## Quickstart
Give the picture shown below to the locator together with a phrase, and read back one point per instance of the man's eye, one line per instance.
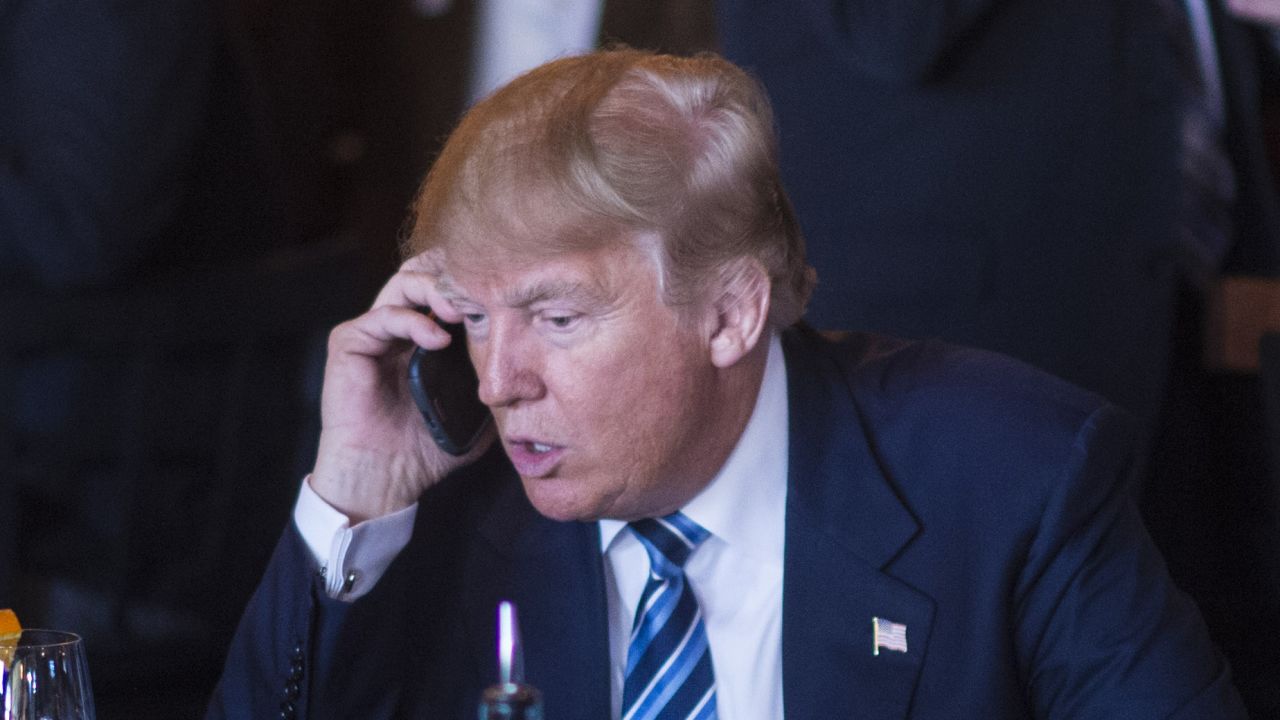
(473, 318)
(561, 322)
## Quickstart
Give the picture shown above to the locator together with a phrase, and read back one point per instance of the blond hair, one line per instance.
(674, 153)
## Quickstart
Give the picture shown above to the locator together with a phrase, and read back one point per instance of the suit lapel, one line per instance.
(844, 525)
(553, 572)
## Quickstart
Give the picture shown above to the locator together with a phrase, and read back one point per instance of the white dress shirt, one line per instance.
(736, 574)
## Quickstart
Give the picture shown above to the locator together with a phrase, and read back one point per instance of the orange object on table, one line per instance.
(10, 631)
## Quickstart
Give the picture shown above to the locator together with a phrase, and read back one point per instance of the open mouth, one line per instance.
(534, 458)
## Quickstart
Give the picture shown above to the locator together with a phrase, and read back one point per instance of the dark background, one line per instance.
(159, 390)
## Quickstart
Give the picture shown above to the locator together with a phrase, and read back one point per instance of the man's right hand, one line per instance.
(376, 455)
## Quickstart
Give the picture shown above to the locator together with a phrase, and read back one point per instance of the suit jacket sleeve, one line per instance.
(1101, 631)
(401, 649)
(268, 665)
(300, 653)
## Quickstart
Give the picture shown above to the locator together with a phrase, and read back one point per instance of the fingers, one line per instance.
(416, 285)
(395, 319)
(384, 329)
(375, 455)
(408, 287)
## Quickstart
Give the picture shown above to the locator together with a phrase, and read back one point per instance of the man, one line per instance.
(841, 528)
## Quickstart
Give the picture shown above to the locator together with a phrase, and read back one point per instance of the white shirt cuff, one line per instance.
(351, 559)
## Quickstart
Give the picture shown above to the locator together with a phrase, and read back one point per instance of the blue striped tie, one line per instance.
(669, 674)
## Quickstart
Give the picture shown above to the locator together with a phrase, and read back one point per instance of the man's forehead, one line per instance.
(523, 294)
(587, 277)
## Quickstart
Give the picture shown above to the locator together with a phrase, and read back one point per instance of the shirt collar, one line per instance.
(745, 503)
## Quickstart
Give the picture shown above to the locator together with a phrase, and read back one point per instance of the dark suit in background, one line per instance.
(978, 502)
(999, 174)
(128, 145)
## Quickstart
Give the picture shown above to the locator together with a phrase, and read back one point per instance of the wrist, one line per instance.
(364, 485)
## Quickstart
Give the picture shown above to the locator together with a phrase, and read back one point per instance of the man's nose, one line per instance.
(507, 369)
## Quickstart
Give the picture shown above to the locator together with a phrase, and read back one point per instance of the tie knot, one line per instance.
(669, 541)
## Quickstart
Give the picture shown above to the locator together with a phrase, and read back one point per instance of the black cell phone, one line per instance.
(445, 387)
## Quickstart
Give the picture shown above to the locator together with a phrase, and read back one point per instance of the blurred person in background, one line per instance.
(132, 160)
(1004, 175)
(126, 150)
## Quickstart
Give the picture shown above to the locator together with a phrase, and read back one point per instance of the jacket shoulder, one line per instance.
(943, 417)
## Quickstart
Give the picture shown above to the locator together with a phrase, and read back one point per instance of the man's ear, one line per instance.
(741, 311)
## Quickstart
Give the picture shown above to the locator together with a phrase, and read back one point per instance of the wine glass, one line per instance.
(47, 678)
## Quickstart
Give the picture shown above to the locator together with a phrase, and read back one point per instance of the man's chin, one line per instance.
(562, 500)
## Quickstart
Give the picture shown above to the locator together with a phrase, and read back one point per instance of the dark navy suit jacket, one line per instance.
(978, 502)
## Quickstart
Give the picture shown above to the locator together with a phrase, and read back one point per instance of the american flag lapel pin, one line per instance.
(888, 635)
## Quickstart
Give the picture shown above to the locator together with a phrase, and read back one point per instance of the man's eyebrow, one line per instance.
(446, 287)
(544, 290)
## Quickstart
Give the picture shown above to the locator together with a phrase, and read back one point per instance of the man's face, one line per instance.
(605, 402)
